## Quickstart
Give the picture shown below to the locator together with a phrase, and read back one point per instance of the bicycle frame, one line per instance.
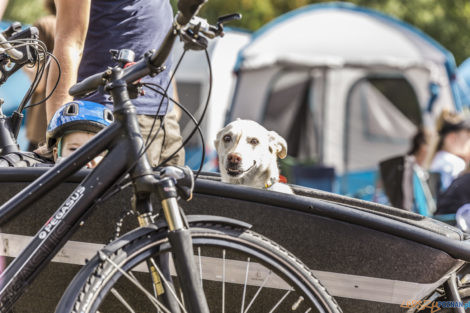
(124, 143)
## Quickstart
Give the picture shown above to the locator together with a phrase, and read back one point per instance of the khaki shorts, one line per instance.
(168, 139)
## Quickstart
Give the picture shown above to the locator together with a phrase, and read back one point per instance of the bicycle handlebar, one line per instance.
(187, 9)
(130, 74)
(87, 85)
(12, 52)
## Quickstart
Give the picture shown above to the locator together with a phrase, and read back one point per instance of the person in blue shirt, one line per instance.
(85, 32)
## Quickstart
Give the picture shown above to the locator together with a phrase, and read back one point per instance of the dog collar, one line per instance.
(270, 182)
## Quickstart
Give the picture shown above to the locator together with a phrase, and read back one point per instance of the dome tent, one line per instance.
(345, 85)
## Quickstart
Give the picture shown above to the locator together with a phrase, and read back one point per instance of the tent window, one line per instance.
(401, 94)
(288, 111)
(382, 116)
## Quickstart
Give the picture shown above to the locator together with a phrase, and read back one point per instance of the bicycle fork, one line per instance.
(182, 251)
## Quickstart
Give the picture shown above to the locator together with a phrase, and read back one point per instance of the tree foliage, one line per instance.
(447, 22)
(24, 11)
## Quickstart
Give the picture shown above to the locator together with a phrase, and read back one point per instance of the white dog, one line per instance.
(248, 155)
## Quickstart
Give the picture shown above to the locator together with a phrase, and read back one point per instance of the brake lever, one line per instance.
(194, 36)
(14, 28)
(19, 56)
(225, 19)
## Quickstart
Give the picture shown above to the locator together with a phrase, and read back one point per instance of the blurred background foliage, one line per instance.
(447, 21)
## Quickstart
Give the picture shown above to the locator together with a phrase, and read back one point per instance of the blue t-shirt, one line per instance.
(138, 25)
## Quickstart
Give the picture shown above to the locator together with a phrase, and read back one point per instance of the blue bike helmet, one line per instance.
(77, 116)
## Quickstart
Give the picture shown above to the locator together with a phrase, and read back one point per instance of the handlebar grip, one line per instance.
(187, 9)
(12, 52)
(87, 85)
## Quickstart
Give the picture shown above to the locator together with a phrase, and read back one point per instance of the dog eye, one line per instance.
(254, 141)
(227, 138)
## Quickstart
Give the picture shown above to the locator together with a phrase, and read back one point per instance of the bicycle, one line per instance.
(167, 244)
(20, 48)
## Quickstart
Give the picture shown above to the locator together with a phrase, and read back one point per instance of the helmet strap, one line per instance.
(59, 147)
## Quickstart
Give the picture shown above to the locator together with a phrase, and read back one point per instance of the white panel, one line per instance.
(350, 36)
(337, 284)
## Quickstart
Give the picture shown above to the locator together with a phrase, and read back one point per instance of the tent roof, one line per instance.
(339, 34)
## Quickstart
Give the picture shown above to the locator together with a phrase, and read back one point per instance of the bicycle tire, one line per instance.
(251, 259)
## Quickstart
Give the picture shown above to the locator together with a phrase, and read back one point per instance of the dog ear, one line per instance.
(217, 139)
(278, 144)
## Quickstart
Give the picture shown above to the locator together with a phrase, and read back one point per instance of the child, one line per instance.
(73, 125)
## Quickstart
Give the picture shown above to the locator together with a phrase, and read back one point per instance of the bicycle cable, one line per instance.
(41, 50)
(126, 182)
(200, 119)
(55, 85)
(121, 182)
(203, 112)
(193, 119)
(162, 118)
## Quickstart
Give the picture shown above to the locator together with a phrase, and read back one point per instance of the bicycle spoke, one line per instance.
(172, 291)
(122, 300)
(244, 286)
(181, 295)
(223, 282)
(280, 301)
(200, 264)
(132, 279)
(258, 291)
(249, 280)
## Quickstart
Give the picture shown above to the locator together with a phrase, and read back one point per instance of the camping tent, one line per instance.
(463, 82)
(193, 81)
(345, 85)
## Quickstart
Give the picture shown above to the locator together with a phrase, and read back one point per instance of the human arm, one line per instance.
(3, 6)
(70, 34)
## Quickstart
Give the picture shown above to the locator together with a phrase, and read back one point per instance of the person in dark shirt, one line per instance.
(456, 196)
(85, 32)
(405, 180)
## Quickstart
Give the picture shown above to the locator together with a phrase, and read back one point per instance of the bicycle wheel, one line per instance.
(241, 272)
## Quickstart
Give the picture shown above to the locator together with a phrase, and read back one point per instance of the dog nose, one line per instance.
(234, 158)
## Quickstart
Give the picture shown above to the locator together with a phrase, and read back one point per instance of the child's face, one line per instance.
(73, 141)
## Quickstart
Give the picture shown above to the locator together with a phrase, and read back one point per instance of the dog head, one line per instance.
(248, 152)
